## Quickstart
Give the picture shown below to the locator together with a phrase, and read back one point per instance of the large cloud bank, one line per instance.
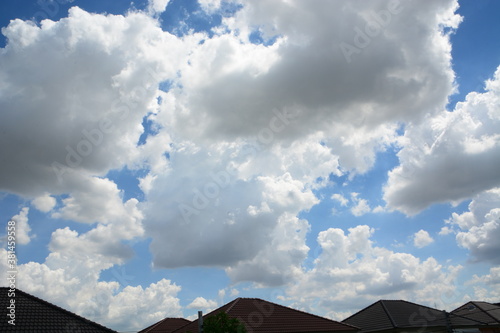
(238, 144)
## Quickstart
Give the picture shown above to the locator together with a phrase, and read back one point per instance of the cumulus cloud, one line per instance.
(343, 201)
(486, 287)
(90, 79)
(478, 229)
(361, 206)
(493, 278)
(308, 112)
(245, 135)
(70, 275)
(445, 231)
(210, 6)
(23, 228)
(84, 256)
(254, 128)
(156, 7)
(97, 200)
(112, 304)
(351, 272)
(222, 210)
(44, 203)
(357, 205)
(451, 156)
(232, 88)
(201, 303)
(134, 307)
(280, 260)
(422, 238)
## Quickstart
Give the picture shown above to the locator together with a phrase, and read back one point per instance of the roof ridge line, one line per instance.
(451, 314)
(388, 314)
(234, 303)
(424, 306)
(484, 310)
(149, 328)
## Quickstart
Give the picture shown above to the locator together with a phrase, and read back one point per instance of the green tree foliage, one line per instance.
(221, 323)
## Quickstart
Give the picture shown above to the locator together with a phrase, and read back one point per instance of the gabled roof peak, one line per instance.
(259, 315)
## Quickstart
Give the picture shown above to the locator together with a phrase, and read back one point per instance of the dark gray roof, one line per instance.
(398, 314)
(482, 311)
(33, 314)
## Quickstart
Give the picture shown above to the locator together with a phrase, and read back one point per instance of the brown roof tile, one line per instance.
(166, 325)
(262, 316)
(33, 314)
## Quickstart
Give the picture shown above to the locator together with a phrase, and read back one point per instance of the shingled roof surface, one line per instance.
(166, 325)
(394, 314)
(482, 311)
(33, 314)
(262, 316)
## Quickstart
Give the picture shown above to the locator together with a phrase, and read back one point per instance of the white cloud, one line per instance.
(251, 131)
(210, 6)
(485, 287)
(445, 231)
(450, 156)
(482, 241)
(422, 238)
(479, 228)
(201, 303)
(358, 207)
(44, 203)
(136, 307)
(232, 89)
(22, 231)
(70, 275)
(361, 206)
(91, 79)
(351, 272)
(340, 198)
(80, 291)
(493, 278)
(98, 200)
(280, 260)
(156, 7)
(250, 140)
(104, 242)
(228, 91)
(229, 203)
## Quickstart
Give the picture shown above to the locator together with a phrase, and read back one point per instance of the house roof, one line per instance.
(166, 325)
(393, 314)
(33, 314)
(262, 316)
(481, 311)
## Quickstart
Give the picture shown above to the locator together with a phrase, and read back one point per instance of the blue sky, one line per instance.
(164, 157)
